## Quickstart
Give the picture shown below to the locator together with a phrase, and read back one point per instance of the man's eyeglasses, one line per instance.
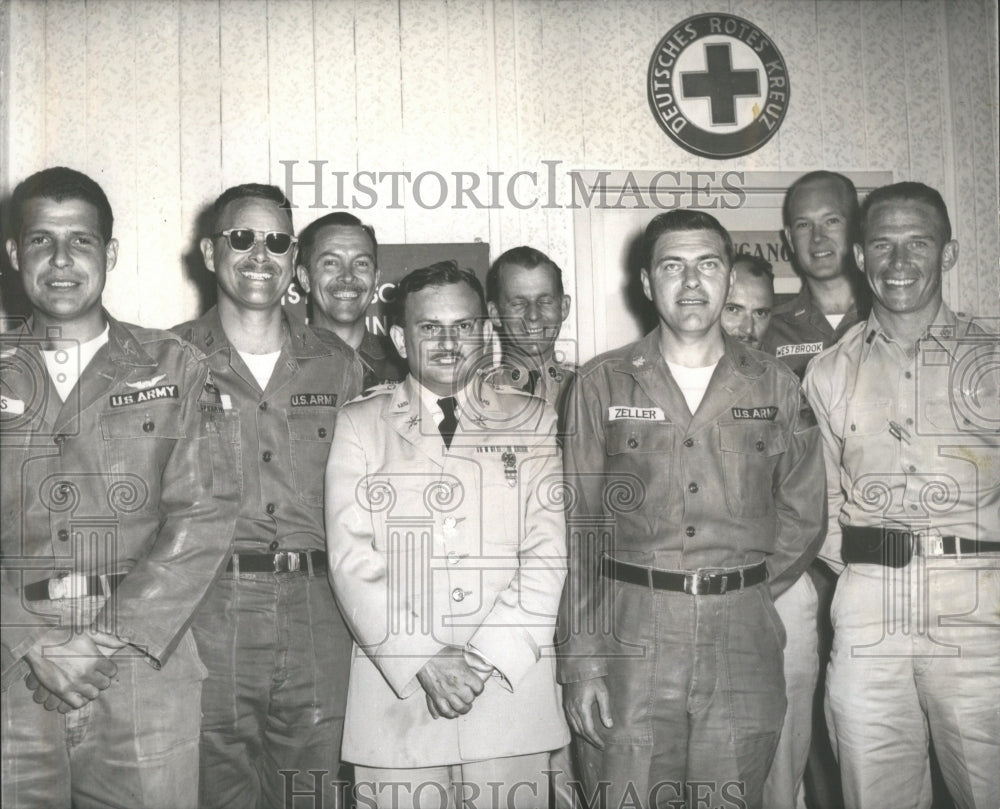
(242, 240)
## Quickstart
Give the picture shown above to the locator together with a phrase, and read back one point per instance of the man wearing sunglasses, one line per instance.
(270, 633)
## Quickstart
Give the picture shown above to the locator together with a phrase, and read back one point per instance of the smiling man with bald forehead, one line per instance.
(908, 403)
(270, 634)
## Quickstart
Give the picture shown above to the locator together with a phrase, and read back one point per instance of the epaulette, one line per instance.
(375, 390)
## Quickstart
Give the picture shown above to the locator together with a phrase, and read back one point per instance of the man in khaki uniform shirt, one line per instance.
(696, 484)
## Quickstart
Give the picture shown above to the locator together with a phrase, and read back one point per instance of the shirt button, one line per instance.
(688, 442)
(321, 432)
(908, 375)
(760, 446)
(458, 594)
(450, 522)
(148, 426)
(273, 546)
(453, 558)
(911, 468)
(269, 508)
(693, 488)
(689, 530)
(63, 534)
(633, 443)
(266, 457)
(60, 439)
(262, 406)
(909, 421)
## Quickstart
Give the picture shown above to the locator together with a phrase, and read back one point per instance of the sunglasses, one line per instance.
(242, 240)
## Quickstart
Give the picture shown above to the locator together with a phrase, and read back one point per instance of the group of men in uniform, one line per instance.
(517, 548)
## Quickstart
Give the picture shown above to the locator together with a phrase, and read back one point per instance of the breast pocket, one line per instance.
(639, 452)
(137, 444)
(309, 437)
(750, 452)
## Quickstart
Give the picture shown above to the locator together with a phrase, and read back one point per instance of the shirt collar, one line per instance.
(875, 331)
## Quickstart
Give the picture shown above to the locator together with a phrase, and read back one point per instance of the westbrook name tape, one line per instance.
(718, 86)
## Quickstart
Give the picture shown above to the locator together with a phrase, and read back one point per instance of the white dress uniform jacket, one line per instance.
(430, 547)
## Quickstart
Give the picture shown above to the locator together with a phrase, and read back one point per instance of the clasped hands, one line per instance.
(450, 684)
(69, 669)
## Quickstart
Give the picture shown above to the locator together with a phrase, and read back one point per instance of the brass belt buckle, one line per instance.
(72, 585)
(932, 544)
(693, 583)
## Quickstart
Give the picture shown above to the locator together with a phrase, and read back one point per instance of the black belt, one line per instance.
(280, 562)
(693, 583)
(894, 546)
(72, 586)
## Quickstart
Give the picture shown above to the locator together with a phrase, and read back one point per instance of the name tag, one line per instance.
(616, 413)
(13, 406)
(148, 395)
(766, 413)
(794, 349)
(314, 400)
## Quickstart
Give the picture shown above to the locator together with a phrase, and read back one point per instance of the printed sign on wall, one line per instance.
(718, 86)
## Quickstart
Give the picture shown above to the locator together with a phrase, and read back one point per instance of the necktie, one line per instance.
(533, 376)
(449, 423)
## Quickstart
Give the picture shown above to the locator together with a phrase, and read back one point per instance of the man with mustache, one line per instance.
(695, 496)
(908, 403)
(747, 312)
(118, 505)
(270, 633)
(527, 304)
(447, 552)
(338, 268)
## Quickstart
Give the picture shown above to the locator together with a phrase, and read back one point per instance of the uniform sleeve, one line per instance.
(154, 605)
(581, 642)
(817, 387)
(522, 620)
(360, 573)
(799, 487)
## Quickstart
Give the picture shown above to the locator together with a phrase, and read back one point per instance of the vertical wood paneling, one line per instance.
(379, 94)
(245, 92)
(26, 76)
(66, 68)
(883, 76)
(165, 103)
(335, 83)
(642, 143)
(200, 107)
(800, 140)
(922, 50)
(842, 106)
(505, 224)
(112, 138)
(427, 104)
(158, 231)
(974, 217)
(599, 127)
(471, 99)
(291, 87)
